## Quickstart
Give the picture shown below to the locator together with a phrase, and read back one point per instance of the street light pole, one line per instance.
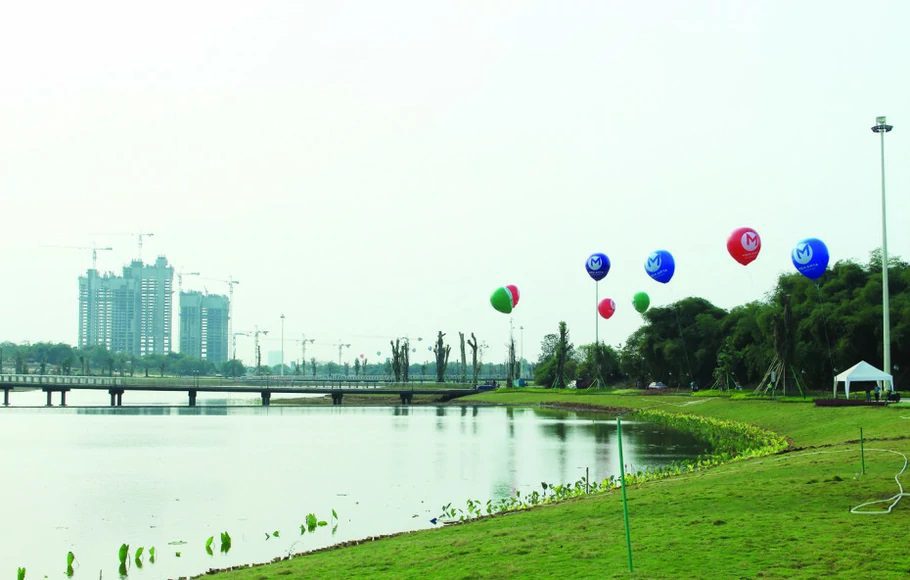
(282, 345)
(881, 127)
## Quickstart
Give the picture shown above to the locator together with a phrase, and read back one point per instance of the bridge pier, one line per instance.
(336, 398)
(116, 397)
(406, 398)
(63, 398)
(266, 398)
(6, 391)
(48, 404)
(192, 394)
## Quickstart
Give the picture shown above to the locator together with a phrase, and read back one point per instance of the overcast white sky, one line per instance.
(374, 169)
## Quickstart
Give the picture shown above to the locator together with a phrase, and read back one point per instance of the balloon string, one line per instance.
(596, 316)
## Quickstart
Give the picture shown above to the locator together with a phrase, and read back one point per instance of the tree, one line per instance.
(475, 366)
(464, 370)
(233, 368)
(556, 363)
(442, 357)
(598, 361)
(396, 359)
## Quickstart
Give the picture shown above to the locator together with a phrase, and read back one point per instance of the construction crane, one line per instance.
(341, 346)
(303, 341)
(180, 276)
(256, 334)
(95, 249)
(139, 238)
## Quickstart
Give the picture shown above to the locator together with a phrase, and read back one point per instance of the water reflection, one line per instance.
(183, 472)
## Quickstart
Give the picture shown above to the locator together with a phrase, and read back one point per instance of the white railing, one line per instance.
(27, 380)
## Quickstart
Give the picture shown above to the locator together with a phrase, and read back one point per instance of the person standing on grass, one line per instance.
(878, 392)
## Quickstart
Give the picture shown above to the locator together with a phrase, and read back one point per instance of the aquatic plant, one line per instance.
(334, 515)
(138, 556)
(311, 522)
(152, 555)
(70, 558)
(225, 542)
(20, 574)
(729, 440)
(208, 545)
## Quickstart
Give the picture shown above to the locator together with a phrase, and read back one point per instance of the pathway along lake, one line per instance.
(90, 479)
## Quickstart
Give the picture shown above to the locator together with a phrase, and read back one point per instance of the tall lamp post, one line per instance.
(282, 345)
(881, 127)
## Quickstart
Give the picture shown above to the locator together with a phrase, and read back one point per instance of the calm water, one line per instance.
(89, 479)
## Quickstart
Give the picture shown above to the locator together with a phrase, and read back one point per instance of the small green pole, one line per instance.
(862, 450)
(625, 501)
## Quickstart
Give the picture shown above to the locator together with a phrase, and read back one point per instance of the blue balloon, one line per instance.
(660, 266)
(598, 266)
(810, 258)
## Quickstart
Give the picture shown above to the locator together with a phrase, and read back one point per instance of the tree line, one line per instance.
(63, 359)
(811, 330)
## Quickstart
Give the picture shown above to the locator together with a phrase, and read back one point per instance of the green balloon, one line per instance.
(502, 300)
(641, 301)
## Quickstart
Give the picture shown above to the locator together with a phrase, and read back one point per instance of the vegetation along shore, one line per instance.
(786, 513)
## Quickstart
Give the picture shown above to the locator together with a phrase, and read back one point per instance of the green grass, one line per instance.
(783, 516)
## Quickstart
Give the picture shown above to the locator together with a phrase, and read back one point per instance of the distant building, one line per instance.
(273, 358)
(129, 313)
(204, 326)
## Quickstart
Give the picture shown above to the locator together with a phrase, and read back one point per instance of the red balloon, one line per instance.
(744, 244)
(514, 290)
(606, 307)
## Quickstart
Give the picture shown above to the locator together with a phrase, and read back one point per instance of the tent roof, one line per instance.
(863, 371)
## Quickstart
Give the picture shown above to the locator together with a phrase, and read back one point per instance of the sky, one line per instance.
(377, 169)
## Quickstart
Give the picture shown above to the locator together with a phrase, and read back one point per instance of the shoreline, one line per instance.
(719, 521)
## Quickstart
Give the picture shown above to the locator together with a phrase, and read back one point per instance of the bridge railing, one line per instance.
(38, 380)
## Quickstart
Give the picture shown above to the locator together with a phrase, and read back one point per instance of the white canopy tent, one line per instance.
(863, 371)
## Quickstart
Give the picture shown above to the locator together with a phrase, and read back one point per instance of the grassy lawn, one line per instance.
(782, 516)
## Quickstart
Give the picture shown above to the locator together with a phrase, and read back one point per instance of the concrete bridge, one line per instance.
(265, 387)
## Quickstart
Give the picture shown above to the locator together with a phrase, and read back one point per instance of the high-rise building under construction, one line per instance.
(129, 313)
(204, 326)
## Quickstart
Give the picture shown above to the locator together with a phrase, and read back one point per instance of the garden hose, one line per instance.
(894, 499)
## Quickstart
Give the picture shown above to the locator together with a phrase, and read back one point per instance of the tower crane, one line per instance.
(256, 334)
(180, 276)
(95, 249)
(303, 341)
(139, 237)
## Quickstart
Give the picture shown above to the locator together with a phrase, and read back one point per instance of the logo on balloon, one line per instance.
(744, 244)
(653, 264)
(660, 266)
(810, 258)
(802, 254)
(749, 241)
(606, 307)
(598, 266)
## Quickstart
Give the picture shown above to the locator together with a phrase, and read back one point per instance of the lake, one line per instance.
(88, 479)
